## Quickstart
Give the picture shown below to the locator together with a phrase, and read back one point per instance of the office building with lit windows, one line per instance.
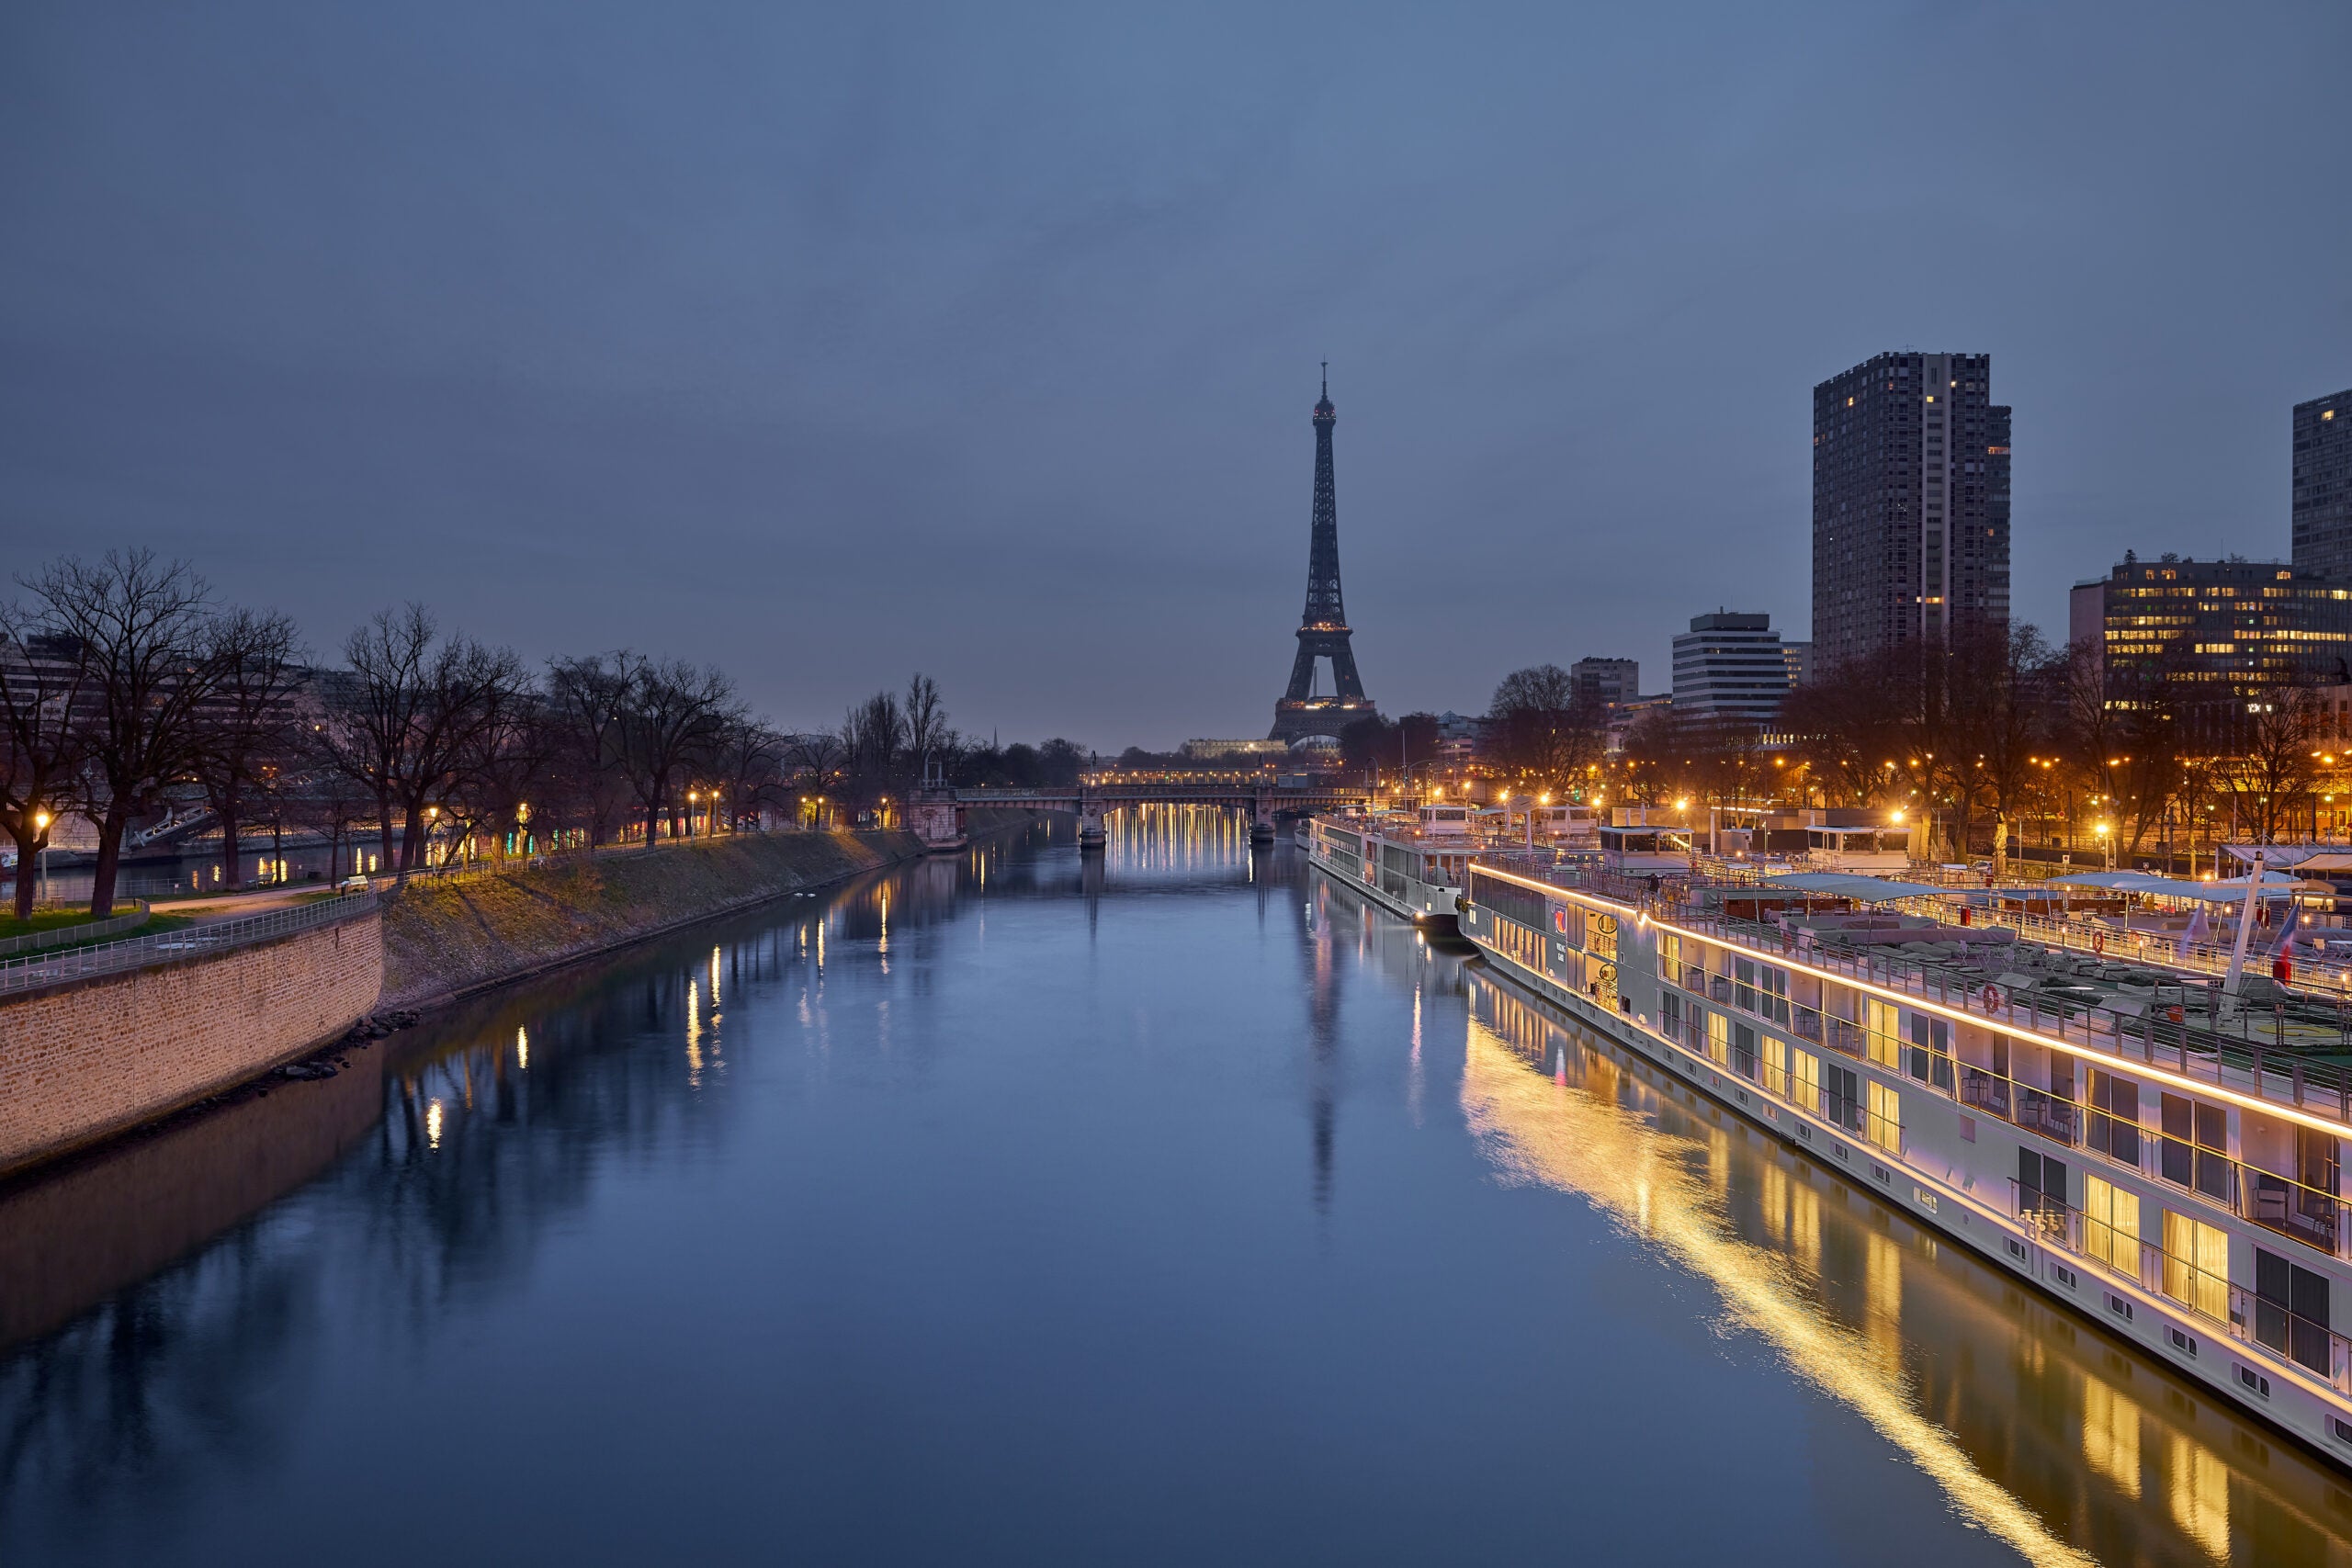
(2322, 486)
(1910, 504)
(2221, 634)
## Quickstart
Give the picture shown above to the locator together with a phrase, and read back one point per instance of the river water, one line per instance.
(1176, 1208)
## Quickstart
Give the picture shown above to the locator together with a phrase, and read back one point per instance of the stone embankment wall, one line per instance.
(95, 1057)
(93, 1226)
(445, 939)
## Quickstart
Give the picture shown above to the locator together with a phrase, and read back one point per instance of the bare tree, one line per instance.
(1853, 727)
(141, 626)
(499, 766)
(671, 715)
(1988, 709)
(926, 716)
(43, 688)
(2268, 783)
(1544, 730)
(873, 737)
(246, 733)
(2124, 732)
(585, 696)
(748, 765)
(412, 705)
(330, 800)
(376, 706)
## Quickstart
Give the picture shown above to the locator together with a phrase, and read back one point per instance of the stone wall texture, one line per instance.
(98, 1056)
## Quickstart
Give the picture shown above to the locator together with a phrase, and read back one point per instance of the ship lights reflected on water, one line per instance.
(1914, 1328)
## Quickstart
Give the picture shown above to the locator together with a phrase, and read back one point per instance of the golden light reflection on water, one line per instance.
(1896, 1328)
(2200, 1496)
(1179, 839)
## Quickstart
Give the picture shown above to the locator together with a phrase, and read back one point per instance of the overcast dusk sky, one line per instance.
(830, 342)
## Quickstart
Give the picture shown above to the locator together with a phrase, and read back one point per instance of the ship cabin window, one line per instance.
(2290, 1310)
(1928, 1060)
(2194, 1150)
(2114, 1129)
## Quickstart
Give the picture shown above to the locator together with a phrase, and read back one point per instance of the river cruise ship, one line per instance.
(2136, 1151)
(1409, 862)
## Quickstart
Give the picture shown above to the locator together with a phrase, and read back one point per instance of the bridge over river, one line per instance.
(937, 815)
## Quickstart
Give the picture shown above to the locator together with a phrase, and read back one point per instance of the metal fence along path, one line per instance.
(139, 953)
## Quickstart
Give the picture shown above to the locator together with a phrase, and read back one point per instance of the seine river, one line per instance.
(1176, 1208)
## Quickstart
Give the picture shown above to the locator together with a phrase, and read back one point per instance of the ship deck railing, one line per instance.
(2304, 1061)
(2088, 935)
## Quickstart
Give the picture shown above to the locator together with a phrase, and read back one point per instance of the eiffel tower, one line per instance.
(1323, 628)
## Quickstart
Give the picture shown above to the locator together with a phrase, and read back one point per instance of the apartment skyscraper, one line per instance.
(2323, 535)
(1910, 504)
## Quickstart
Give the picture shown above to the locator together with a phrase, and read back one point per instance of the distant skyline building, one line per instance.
(1730, 666)
(1610, 680)
(2220, 632)
(2322, 517)
(1910, 504)
(1800, 658)
(1304, 709)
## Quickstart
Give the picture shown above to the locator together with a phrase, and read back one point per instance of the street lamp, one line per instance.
(40, 826)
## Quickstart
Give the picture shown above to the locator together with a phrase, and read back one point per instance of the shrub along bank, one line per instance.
(443, 940)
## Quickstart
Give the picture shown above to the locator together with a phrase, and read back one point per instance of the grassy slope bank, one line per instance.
(441, 939)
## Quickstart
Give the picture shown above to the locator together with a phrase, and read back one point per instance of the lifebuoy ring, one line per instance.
(1991, 996)
(2099, 942)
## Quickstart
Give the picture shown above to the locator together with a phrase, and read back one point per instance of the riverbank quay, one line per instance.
(99, 1039)
(97, 1042)
(448, 937)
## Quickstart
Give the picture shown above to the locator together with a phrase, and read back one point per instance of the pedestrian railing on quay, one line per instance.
(220, 936)
(68, 936)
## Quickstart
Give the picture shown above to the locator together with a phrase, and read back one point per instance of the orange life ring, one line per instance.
(1991, 996)
(2099, 942)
